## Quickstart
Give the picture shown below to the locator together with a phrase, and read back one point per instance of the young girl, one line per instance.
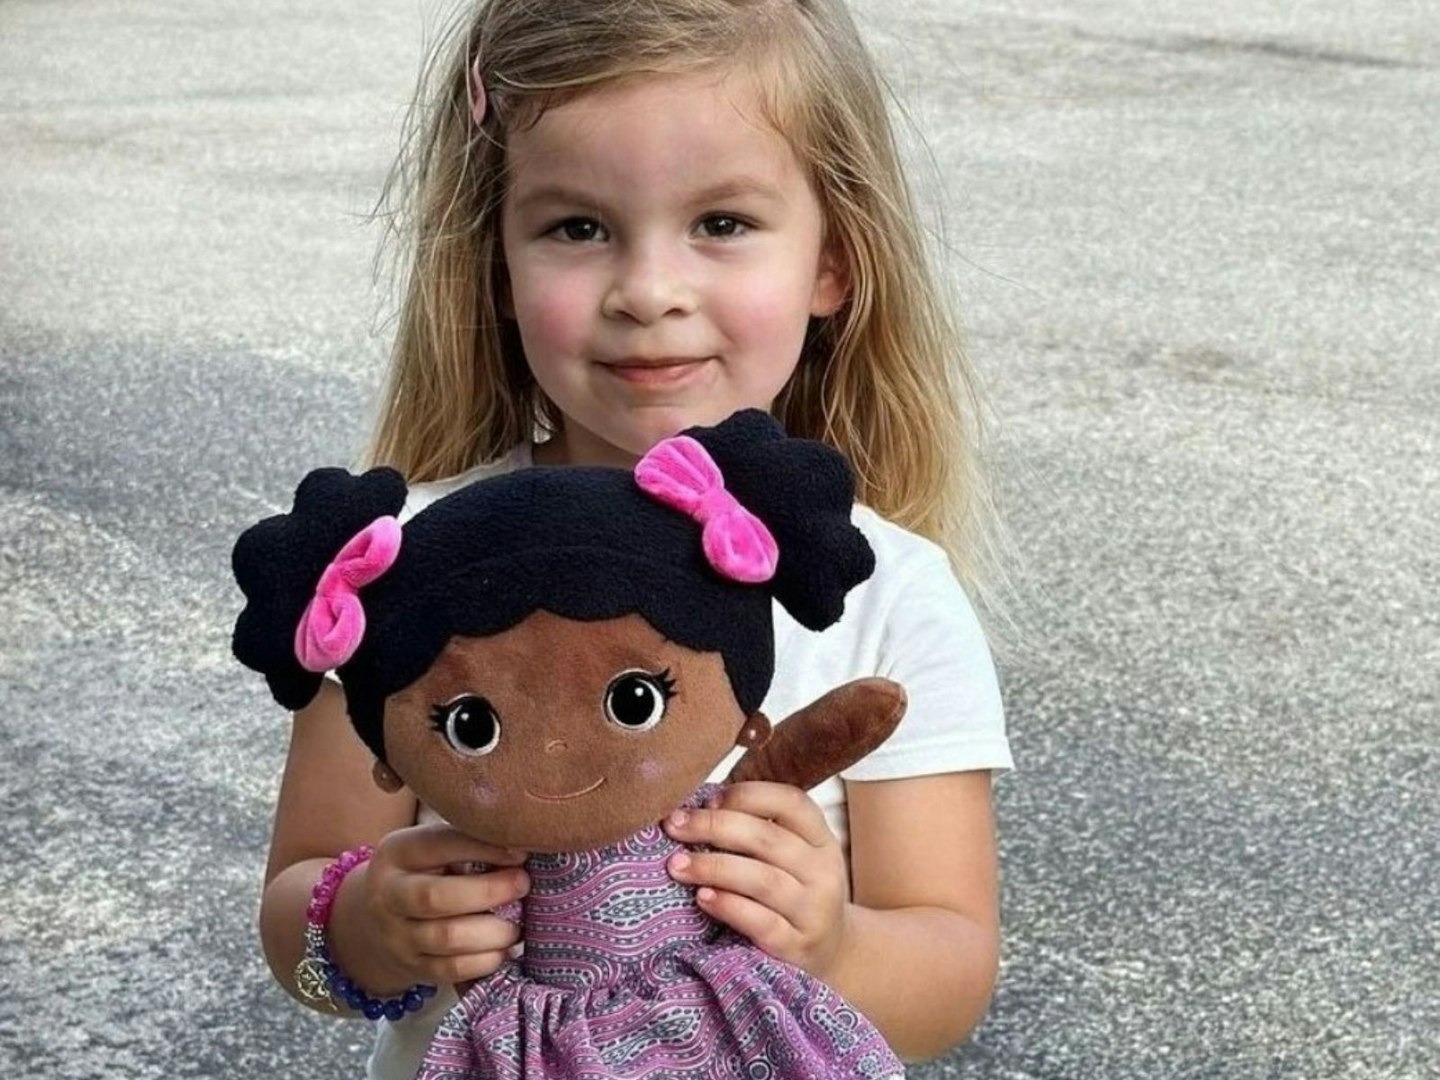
(631, 219)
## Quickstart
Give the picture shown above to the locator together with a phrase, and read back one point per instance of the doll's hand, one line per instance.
(780, 879)
(402, 919)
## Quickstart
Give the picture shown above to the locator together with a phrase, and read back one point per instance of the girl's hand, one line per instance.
(401, 919)
(780, 878)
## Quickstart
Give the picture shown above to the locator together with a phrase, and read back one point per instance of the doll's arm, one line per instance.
(828, 735)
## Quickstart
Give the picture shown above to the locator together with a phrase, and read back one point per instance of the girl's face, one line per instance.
(558, 735)
(665, 253)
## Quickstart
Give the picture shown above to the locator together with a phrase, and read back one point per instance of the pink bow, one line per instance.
(334, 620)
(680, 473)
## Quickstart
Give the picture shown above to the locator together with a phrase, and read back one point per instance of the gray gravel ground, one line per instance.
(1196, 250)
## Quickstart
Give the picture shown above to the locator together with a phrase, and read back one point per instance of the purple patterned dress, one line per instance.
(623, 976)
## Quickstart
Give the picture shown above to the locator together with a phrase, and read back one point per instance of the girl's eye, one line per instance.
(635, 700)
(469, 724)
(579, 230)
(723, 226)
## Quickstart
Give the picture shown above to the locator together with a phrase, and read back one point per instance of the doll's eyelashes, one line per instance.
(469, 724)
(635, 700)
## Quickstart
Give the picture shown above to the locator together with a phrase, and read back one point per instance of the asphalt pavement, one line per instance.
(1195, 247)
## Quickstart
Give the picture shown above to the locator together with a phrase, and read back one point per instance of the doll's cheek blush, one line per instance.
(650, 770)
(485, 793)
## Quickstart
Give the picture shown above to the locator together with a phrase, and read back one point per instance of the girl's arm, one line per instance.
(923, 943)
(328, 803)
(395, 920)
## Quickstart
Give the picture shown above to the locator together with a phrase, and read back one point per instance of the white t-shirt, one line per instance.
(910, 621)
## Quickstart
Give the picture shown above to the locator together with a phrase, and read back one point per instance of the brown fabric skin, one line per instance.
(828, 735)
(546, 679)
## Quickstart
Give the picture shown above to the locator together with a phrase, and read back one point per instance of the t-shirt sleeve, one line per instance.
(931, 643)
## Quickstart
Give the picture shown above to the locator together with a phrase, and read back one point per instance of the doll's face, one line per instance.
(559, 735)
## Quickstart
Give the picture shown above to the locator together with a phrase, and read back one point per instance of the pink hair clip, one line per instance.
(680, 473)
(477, 92)
(333, 624)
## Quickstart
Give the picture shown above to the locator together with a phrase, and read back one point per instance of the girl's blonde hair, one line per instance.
(884, 380)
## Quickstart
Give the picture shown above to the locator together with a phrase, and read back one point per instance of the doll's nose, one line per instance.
(555, 746)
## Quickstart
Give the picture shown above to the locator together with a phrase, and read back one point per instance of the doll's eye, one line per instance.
(636, 699)
(469, 724)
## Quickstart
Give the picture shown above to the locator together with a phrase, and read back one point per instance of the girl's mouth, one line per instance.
(662, 372)
(562, 798)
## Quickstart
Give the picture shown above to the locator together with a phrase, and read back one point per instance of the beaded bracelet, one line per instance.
(318, 978)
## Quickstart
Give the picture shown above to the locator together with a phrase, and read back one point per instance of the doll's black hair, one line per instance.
(581, 542)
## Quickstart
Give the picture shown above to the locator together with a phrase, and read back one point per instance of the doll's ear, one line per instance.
(386, 778)
(755, 733)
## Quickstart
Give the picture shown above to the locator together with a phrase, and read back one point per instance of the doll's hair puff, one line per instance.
(582, 542)
(278, 563)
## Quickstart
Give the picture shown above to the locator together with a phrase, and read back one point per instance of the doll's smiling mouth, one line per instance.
(562, 798)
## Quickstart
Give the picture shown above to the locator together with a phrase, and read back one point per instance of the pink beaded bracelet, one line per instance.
(322, 897)
(317, 977)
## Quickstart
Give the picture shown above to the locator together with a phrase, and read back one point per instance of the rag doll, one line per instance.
(554, 660)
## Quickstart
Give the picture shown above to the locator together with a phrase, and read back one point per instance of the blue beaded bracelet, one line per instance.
(317, 976)
(373, 1008)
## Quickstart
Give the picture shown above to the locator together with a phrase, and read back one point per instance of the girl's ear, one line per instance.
(755, 732)
(386, 778)
(832, 281)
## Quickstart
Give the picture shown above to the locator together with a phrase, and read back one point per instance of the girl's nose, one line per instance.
(555, 746)
(648, 285)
